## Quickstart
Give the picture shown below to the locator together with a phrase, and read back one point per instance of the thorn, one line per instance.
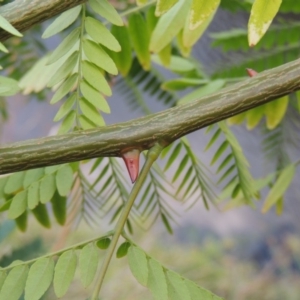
(132, 162)
(251, 72)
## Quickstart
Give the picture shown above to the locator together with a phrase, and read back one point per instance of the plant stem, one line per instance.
(152, 155)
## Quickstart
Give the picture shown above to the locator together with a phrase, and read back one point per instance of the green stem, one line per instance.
(152, 156)
(76, 246)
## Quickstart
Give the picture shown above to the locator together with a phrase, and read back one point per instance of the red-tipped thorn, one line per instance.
(132, 161)
(251, 72)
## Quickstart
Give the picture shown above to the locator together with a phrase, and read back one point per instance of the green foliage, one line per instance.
(163, 283)
(82, 72)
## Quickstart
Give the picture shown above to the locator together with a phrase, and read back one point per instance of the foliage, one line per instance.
(141, 43)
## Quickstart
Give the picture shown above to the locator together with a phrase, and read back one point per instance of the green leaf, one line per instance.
(68, 122)
(3, 48)
(86, 123)
(201, 11)
(64, 180)
(157, 280)
(33, 195)
(103, 243)
(122, 250)
(39, 278)
(262, 15)
(279, 188)
(2, 278)
(209, 88)
(182, 83)
(32, 176)
(4, 24)
(64, 70)
(93, 75)
(40, 212)
(163, 6)
(275, 111)
(65, 108)
(21, 221)
(122, 59)
(14, 283)
(196, 292)
(6, 205)
(88, 263)
(140, 39)
(177, 287)
(62, 21)
(173, 156)
(191, 36)
(100, 34)
(52, 169)
(254, 115)
(65, 46)
(94, 97)
(64, 272)
(96, 54)
(138, 264)
(177, 64)
(107, 11)
(91, 112)
(65, 88)
(9, 86)
(14, 182)
(47, 188)
(59, 207)
(166, 223)
(219, 152)
(169, 25)
(18, 205)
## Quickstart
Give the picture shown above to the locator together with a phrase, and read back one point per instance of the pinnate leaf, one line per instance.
(163, 6)
(65, 108)
(64, 272)
(18, 205)
(138, 264)
(4, 24)
(59, 207)
(107, 11)
(169, 25)
(262, 15)
(39, 278)
(93, 75)
(103, 243)
(88, 262)
(122, 250)
(96, 54)
(100, 34)
(281, 185)
(62, 21)
(64, 180)
(14, 182)
(122, 59)
(201, 11)
(157, 281)
(65, 46)
(140, 38)
(94, 97)
(64, 89)
(47, 188)
(14, 283)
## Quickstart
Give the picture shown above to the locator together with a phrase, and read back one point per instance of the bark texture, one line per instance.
(23, 14)
(163, 127)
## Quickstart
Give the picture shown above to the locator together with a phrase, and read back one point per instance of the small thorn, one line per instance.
(132, 162)
(251, 72)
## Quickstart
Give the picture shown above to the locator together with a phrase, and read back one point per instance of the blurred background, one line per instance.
(239, 254)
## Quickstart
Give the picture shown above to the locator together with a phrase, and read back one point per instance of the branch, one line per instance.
(23, 14)
(163, 127)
